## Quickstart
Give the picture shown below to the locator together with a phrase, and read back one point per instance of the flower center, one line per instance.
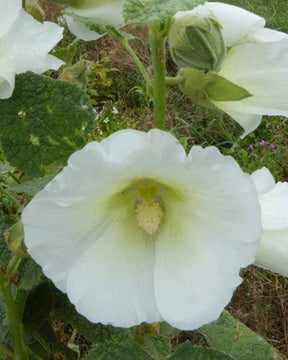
(149, 214)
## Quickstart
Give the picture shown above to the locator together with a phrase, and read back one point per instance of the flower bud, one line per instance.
(14, 238)
(33, 8)
(205, 88)
(196, 42)
(77, 74)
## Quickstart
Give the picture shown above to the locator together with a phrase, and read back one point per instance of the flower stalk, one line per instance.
(157, 43)
(14, 318)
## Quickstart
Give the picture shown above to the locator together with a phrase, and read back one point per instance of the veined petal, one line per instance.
(263, 180)
(261, 69)
(236, 22)
(272, 253)
(198, 261)
(112, 282)
(10, 10)
(274, 207)
(7, 83)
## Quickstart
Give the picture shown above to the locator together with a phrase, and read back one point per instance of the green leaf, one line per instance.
(37, 308)
(149, 11)
(43, 122)
(234, 338)
(32, 187)
(30, 275)
(189, 352)
(159, 346)
(66, 54)
(119, 33)
(5, 253)
(96, 333)
(109, 351)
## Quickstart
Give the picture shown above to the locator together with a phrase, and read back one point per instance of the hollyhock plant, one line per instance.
(106, 12)
(25, 45)
(134, 230)
(255, 61)
(272, 253)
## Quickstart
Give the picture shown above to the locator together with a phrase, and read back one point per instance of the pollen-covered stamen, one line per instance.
(149, 214)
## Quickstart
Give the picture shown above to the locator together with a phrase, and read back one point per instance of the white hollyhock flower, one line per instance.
(272, 253)
(134, 230)
(24, 45)
(104, 12)
(256, 60)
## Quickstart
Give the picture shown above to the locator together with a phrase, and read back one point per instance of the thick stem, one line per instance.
(157, 42)
(14, 319)
(171, 81)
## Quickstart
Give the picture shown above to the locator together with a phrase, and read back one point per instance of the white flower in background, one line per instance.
(272, 253)
(134, 230)
(256, 60)
(103, 12)
(24, 45)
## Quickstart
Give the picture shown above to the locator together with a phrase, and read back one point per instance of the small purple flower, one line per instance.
(251, 147)
(263, 143)
(272, 146)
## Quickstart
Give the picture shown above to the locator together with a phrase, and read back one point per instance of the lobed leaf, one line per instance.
(149, 11)
(188, 352)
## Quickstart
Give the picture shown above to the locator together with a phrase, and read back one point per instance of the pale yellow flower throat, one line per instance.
(149, 214)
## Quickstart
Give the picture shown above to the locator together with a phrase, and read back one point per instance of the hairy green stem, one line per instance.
(14, 318)
(157, 43)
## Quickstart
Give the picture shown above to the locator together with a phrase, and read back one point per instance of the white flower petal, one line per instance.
(263, 180)
(236, 22)
(249, 122)
(267, 35)
(112, 282)
(260, 68)
(198, 261)
(109, 13)
(34, 37)
(7, 83)
(10, 9)
(272, 253)
(274, 208)
(81, 31)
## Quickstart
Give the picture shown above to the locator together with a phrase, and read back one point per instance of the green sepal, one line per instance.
(77, 74)
(66, 54)
(203, 88)
(33, 8)
(229, 335)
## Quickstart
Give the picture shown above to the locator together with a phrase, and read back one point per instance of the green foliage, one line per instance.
(66, 54)
(109, 351)
(234, 338)
(43, 122)
(32, 187)
(5, 253)
(159, 346)
(96, 333)
(188, 352)
(146, 12)
(30, 275)
(4, 329)
(100, 84)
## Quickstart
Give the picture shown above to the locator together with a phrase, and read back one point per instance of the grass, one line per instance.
(261, 302)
